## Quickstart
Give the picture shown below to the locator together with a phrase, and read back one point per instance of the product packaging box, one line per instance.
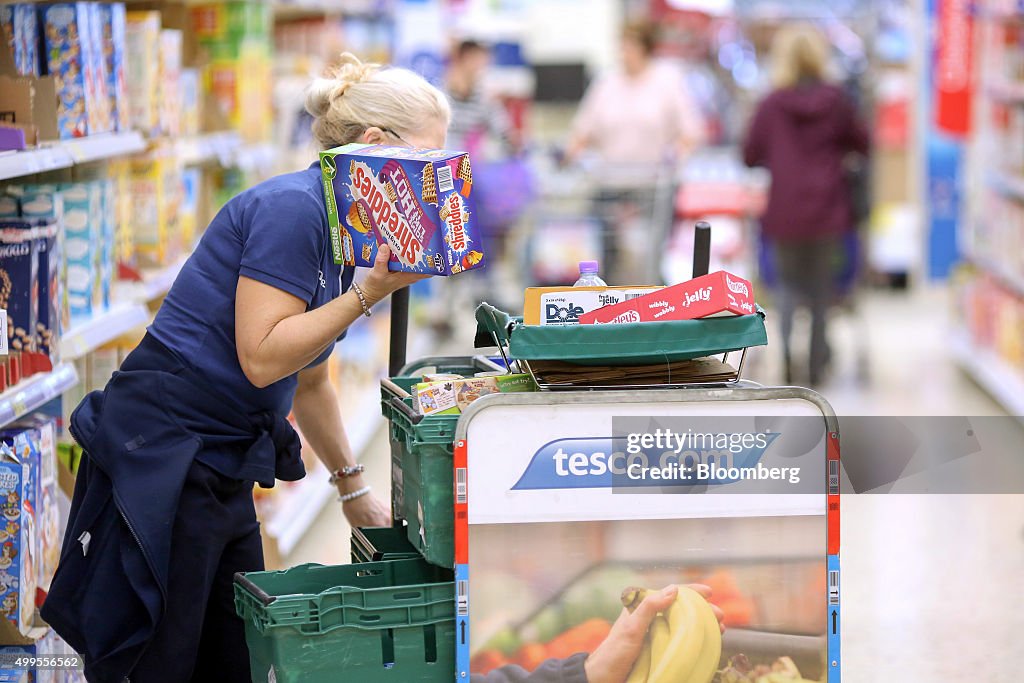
(417, 201)
(170, 82)
(81, 247)
(42, 430)
(19, 32)
(191, 115)
(68, 41)
(100, 120)
(565, 305)
(48, 316)
(715, 294)
(108, 238)
(113, 20)
(153, 187)
(142, 70)
(445, 395)
(19, 289)
(18, 536)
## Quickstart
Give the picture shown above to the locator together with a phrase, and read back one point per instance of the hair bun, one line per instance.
(350, 71)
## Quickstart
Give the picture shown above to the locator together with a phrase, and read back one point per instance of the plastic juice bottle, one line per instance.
(589, 276)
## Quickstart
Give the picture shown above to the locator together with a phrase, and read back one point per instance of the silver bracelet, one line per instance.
(358, 493)
(362, 299)
(346, 472)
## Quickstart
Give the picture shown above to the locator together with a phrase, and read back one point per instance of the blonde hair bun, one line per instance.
(353, 95)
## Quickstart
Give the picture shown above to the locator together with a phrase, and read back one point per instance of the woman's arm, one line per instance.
(276, 336)
(318, 415)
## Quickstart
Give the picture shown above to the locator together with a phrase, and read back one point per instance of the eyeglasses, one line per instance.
(393, 133)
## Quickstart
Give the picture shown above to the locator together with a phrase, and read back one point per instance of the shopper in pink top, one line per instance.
(640, 123)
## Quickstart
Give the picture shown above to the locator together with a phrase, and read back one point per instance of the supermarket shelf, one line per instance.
(155, 283)
(106, 146)
(68, 153)
(102, 328)
(992, 373)
(36, 391)
(1008, 184)
(17, 164)
(1005, 275)
(305, 502)
(209, 147)
(255, 157)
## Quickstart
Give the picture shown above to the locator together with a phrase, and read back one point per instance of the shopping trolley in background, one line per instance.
(619, 215)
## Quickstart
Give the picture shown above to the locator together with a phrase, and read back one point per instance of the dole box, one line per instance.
(418, 201)
(716, 294)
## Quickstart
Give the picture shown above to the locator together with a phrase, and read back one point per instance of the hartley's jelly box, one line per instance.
(418, 201)
(708, 296)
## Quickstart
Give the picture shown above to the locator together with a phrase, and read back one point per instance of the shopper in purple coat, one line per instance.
(802, 133)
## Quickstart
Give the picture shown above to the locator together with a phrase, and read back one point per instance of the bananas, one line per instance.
(683, 644)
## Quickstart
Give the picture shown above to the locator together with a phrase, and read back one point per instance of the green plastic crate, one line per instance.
(377, 621)
(378, 544)
(423, 474)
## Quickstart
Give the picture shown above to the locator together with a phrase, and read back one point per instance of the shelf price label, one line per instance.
(3, 332)
(20, 403)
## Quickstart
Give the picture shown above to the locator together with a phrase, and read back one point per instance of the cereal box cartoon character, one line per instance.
(7, 554)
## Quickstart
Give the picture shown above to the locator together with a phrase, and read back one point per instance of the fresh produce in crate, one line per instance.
(782, 670)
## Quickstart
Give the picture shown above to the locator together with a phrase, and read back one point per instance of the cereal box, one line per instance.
(100, 120)
(418, 201)
(108, 237)
(48, 315)
(10, 207)
(19, 290)
(66, 34)
(712, 295)
(112, 18)
(435, 398)
(81, 246)
(142, 69)
(42, 429)
(170, 82)
(19, 33)
(18, 553)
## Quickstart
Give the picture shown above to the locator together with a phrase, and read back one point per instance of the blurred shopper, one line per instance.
(802, 133)
(476, 118)
(641, 123)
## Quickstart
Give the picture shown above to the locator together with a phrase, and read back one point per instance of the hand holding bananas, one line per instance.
(674, 619)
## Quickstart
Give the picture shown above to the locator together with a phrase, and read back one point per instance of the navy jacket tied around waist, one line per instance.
(141, 435)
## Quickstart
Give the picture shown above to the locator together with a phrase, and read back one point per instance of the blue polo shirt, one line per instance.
(276, 233)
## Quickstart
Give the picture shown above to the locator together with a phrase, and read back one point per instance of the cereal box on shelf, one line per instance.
(112, 23)
(155, 196)
(42, 429)
(48, 316)
(81, 240)
(18, 554)
(142, 69)
(19, 291)
(418, 201)
(66, 35)
(170, 82)
(19, 32)
(100, 120)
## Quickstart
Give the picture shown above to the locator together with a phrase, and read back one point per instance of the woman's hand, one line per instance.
(367, 511)
(381, 282)
(612, 661)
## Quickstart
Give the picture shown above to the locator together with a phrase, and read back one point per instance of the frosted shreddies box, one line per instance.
(418, 201)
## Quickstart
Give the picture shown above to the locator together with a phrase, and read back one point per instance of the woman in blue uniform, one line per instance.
(163, 513)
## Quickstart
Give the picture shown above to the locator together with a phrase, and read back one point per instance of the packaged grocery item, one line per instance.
(108, 238)
(142, 69)
(565, 305)
(42, 431)
(100, 120)
(66, 34)
(470, 389)
(715, 294)
(19, 290)
(154, 190)
(105, 361)
(435, 398)
(191, 115)
(10, 207)
(113, 20)
(169, 79)
(18, 539)
(81, 247)
(188, 211)
(49, 254)
(19, 33)
(515, 383)
(418, 201)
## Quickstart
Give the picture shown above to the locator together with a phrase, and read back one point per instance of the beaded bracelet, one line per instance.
(362, 299)
(359, 493)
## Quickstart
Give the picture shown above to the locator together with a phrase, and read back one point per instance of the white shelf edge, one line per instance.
(998, 270)
(290, 523)
(102, 328)
(67, 153)
(29, 162)
(992, 373)
(37, 390)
